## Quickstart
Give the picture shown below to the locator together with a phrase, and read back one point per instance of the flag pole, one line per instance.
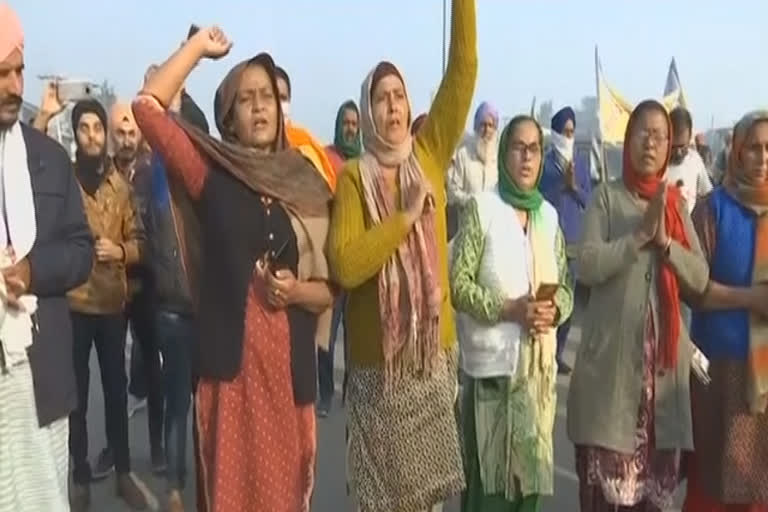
(604, 162)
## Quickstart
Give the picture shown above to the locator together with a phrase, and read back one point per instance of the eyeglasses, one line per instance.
(522, 148)
(655, 137)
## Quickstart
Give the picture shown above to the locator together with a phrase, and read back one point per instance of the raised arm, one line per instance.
(482, 304)
(162, 87)
(445, 123)
(357, 253)
(599, 258)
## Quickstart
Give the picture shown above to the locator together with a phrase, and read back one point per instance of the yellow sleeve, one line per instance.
(447, 118)
(357, 253)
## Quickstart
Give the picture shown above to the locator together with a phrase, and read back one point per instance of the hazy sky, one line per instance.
(542, 48)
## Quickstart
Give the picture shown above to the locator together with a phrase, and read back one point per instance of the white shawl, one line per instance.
(16, 325)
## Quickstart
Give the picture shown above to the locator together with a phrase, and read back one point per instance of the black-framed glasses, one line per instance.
(523, 148)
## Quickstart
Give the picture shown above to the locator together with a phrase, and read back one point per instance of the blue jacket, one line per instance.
(570, 205)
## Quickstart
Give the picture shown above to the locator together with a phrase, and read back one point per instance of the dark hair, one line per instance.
(516, 121)
(418, 123)
(681, 119)
(281, 73)
(384, 69)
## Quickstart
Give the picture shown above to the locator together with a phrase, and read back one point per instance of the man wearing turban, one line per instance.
(45, 249)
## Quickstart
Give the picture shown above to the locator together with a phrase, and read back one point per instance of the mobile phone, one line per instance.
(193, 29)
(547, 291)
(74, 90)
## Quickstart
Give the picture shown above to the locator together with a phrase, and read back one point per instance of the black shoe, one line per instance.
(105, 465)
(563, 368)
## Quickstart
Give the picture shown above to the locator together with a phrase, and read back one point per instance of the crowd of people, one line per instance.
(446, 258)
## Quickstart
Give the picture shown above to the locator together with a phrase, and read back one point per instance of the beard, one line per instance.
(127, 153)
(487, 150)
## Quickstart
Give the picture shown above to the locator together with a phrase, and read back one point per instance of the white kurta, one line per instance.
(34, 461)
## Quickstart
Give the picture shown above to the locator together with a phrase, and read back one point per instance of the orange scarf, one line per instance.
(312, 149)
(669, 289)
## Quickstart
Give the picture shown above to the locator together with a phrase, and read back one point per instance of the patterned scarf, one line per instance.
(646, 186)
(756, 199)
(409, 288)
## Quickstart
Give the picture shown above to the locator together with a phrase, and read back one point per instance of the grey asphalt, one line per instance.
(330, 490)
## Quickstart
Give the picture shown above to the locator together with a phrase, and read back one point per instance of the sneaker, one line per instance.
(105, 465)
(133, 491)
(563, 368)
(79, 497)
(175, 502)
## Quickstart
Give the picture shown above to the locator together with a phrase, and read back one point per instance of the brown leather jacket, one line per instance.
(111, 214)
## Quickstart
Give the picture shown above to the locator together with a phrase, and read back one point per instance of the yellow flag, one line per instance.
(613, 109)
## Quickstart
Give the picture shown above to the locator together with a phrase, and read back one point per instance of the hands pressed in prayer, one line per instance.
(17, 279)
(537, 317)
(107, 251)
(652, 228)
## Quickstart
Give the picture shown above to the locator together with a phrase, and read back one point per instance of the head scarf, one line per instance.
(285, 174)
(347, 149)
(510, 192)
(484, 110)
(408, 286)
(11, 32)
(646, 186)
(90, 170)
(755, 198)
(561, 118)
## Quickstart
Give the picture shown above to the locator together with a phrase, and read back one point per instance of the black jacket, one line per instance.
(60, 259)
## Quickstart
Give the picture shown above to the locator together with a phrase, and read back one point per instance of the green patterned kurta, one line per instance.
(508, 421)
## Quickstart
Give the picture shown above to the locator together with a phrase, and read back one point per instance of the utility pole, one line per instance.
(445, 27)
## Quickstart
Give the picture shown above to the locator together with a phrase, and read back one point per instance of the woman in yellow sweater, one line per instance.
(387, 249)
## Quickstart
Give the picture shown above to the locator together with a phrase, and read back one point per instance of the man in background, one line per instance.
(98, 306)
(566, 182)
(146, 379)
(686, 168)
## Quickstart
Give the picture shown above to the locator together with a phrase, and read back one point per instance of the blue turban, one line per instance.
(562, 117)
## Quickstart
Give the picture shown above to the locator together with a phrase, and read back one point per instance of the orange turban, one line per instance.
(11, 33)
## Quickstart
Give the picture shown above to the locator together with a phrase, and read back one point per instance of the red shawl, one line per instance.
(669, 290)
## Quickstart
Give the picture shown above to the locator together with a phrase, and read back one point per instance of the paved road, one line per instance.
(330, 494)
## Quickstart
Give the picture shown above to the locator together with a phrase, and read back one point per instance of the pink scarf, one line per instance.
(409, 288)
